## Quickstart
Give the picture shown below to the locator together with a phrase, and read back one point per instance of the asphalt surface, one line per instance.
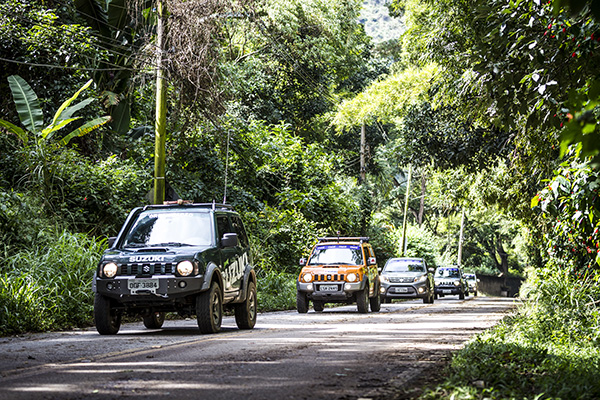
(335, 354)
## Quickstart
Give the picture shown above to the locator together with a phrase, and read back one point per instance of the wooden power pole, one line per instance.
(460, 237)
(405, 222)
(161, 108)
(363, 168)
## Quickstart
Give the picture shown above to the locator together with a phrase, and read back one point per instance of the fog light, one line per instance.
(309, 286)
(110, 286)
(421, 290)
(382, 290)
(347, 286)
(182, 284)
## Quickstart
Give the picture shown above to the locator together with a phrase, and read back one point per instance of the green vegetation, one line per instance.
(493, 106)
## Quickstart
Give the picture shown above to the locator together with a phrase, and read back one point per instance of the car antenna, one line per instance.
(226, 168)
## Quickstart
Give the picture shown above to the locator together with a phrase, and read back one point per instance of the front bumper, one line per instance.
(330, 291)
(404, 290)
(169, 287)
(448, 290)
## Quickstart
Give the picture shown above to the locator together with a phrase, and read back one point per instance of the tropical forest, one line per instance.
(460, 132)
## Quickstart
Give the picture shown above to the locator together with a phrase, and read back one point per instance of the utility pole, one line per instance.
(160, 124)
(363, 168)
(460, 237)
(405, 222)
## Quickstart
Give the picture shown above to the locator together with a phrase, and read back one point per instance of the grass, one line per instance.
(49, 288)
(549, 350)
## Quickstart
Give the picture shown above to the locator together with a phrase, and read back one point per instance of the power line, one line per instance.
(63, 66)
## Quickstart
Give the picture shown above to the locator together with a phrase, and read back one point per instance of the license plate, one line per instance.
(142, 285)
(446, 291)
(328, 288)
(401, 290)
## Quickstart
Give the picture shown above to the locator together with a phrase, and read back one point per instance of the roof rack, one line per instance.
(181, 202)
(343, 239)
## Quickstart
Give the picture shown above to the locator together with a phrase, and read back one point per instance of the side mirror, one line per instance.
(432, 270)
(379, 269)
(111, 241)
(302, 262)
(372, 261)
(229, 240)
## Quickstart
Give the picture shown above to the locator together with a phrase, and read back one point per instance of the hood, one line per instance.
(158, 254)
(403, 274)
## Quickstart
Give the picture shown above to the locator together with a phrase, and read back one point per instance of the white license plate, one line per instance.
(401, 290)
(328, 288)
(446, 291)
(142, 285)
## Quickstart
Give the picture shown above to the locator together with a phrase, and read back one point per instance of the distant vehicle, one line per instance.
(450, 281)
(339, 270)
(407, 278)
(182, 257)
(472, 281)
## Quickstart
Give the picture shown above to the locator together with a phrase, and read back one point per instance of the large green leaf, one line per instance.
(27, 104)
(63, 106)
(21, 134)
(49, 131)
(118, 16)
(85, 129)
(94, 14)
(69, 111)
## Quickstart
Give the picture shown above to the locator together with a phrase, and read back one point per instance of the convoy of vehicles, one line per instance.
(407, 278)
(192, 259)
(339, 270)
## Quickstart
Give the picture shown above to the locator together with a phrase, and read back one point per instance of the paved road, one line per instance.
(336, 354)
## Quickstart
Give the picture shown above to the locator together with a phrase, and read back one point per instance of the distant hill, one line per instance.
(378, 23)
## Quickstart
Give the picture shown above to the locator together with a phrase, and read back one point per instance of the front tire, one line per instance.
(302, 302)
(318, 306)
(154, 320)
(245, 313)
(362, 300)
(107, 319)
(375, 301)
(209, 309)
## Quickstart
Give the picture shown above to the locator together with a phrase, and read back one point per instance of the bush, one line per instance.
(49, 287)
(550, 349)
(97, 197)
(276, 290)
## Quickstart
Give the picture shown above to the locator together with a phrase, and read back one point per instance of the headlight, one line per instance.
(185, 268)
(421, 278)
(383, 278)
(307, 277)
(456, 283)
(352, 277)
(109, 270)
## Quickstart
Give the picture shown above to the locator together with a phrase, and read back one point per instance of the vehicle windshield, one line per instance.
(170, 228)
(447, 273)
(470, 277)
(336, 254)
(404, 266)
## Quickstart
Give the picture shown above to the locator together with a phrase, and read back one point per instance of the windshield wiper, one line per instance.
(170, 244)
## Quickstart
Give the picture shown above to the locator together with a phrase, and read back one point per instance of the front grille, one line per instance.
(401, 279)
(329, 277)
(147, 269)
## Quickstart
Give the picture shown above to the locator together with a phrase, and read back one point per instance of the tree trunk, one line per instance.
(422, 202)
